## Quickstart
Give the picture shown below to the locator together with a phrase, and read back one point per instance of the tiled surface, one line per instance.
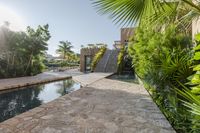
(7, 84)
(104, 106)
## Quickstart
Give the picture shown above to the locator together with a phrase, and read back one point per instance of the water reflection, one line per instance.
(16, 102)
(65, 87)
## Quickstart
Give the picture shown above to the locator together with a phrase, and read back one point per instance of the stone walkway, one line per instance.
(104, 106)
(87, 79)
(7, 84)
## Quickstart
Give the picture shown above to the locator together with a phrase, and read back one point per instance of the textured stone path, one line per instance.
(7, 84)
(104, 106)
(87, 79)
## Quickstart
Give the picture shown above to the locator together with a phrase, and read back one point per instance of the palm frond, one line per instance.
(193, 101)
(127, 12)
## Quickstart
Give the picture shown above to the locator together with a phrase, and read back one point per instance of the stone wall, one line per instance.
(126, 33)
(86, 52)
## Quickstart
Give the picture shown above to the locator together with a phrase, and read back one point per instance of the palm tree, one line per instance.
(65, 87)
(129, 12)
(64, 49)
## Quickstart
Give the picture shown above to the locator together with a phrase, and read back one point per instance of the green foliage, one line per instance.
(172, 67)
(148, 47)
(195, 79)
(162, 57)
(61, 63)
(68, 63)
(190, 95)
(162, 60)
(69, 57)
(24, 52)
(155, 12)
(97, 57)
(120, 59)
(65, 49)
(191, 101)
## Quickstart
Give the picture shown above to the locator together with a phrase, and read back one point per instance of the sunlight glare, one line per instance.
(15, 21)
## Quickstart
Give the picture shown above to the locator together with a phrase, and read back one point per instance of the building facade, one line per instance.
(125, 35)
(87, 54)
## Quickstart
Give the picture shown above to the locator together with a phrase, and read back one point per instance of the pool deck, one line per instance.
(88, 79)
(13, 83)
(102, 106)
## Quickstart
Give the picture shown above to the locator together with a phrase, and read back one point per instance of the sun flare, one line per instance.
(15, 21)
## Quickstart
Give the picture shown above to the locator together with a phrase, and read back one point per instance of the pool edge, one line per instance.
(42, 81)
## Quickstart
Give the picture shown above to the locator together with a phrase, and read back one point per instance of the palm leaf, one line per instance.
(193, 101)
(129, 12)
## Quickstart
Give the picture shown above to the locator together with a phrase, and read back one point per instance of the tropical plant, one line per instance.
(160, 11)
(24, 52)
(148, 46)
(38, 39)
(195, 79)
(120, 60)
(162, 55)
(190, 95)
(161, 60)
(64, 49)
(97, 57)
(65, 87)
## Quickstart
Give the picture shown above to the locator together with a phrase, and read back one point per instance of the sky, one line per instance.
(74, 20)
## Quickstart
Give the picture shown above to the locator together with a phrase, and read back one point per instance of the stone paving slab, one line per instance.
(12, 83)
(87, 79)
(105, 106)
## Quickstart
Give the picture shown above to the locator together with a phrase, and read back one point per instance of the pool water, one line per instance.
(24, 99)
(125, 77)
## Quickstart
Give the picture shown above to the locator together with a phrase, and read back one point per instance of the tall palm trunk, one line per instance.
(29, 62)
(64, 55)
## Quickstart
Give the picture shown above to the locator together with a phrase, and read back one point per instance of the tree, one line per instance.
(64, 49)
(65, 87)
(37, 42)
(24, 51)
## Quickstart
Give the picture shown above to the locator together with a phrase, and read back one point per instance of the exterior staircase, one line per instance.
(108, 62)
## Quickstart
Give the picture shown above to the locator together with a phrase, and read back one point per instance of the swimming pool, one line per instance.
(26, 98)
(131, 78)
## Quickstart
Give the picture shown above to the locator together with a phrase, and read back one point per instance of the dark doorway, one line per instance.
(88, 61)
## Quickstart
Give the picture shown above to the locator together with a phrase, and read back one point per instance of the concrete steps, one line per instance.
(108, 62)
(111, 65)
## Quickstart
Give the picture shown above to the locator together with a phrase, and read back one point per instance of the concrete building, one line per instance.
(125, 35)
(87, 54)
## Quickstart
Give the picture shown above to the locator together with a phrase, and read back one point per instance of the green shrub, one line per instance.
(190, 95)
(97, 57)
(120, 60)
(162, 60)
(148, 46)
(24, 52)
